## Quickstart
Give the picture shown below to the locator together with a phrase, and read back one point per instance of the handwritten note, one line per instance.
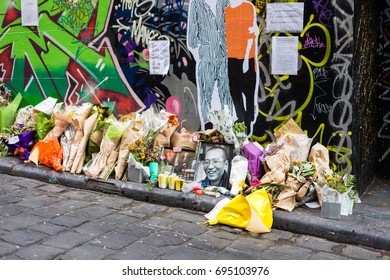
(284, 17)
(159, 57)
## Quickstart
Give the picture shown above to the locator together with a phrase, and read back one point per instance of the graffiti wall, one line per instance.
(97, 50)
(384, 89)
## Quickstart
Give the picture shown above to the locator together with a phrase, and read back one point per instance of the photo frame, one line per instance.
(181, 161)
(213, 163)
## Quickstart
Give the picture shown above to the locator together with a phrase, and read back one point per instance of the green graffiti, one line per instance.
(52, 59)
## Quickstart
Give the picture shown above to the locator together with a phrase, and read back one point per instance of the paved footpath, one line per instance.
(50, 221)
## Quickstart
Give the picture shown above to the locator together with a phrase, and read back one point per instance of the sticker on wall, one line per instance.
(159, 57)
(284, 55)
(29, 12)
(284, 17)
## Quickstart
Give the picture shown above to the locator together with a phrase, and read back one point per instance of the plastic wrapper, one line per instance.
(43, 124)
(5, 95)
(299, 143)
(48, 152)
(66, 140)
(184, 139)
(111, 140)
(8, 112)
(25, 120)
(253, 153)
(62, 118)
(79, 116)
(152, 123)
(21, 144)
(253, 212)
(238, 173)
(223, 122)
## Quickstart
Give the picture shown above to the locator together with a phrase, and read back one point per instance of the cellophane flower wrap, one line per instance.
(8, 107)
(223, 122)
(48, 152)
(110, 142)
(43, 125)
(253, 152)
(20, 137)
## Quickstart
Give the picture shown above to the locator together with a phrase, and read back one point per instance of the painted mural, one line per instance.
(97, 50)
(384, 89)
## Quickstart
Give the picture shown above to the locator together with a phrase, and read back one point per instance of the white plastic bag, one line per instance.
(238, 174)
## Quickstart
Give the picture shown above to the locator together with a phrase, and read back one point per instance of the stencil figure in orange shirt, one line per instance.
(241, 41)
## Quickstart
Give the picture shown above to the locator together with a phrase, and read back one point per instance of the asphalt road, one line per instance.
(50, 221)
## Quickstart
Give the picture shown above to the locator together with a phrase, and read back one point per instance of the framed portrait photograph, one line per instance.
(213, 163)
(180, 161)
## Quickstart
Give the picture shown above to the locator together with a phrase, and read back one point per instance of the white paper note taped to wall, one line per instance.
(284, 17)
(284, 55)
(159, 57)
(29, 12)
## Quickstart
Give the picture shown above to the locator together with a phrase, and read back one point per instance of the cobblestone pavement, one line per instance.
(49, 221)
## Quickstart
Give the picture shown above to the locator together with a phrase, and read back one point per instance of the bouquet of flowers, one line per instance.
(143, 151)
(337, 187)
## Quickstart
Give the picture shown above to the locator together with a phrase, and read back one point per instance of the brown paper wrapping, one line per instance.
(99, 162)
(61, 121)
(78, 120)
(111, 160)
(287, 198)
(80, 155)
(131, 135)
(183, 140)
(290, 126)
(278, 164)
(163, 139)
(319, 156)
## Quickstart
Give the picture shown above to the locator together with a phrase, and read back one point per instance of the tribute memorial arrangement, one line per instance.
(152, 148)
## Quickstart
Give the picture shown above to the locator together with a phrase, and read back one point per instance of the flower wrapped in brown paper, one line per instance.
(278, 164)
(81, 152)
(184, 139)
(62, 116)
(78, 118)
(96, 135)
(110, 164)
(111, 139)
(291, 134)
(163, 139)
(131, 135)
(319, 156)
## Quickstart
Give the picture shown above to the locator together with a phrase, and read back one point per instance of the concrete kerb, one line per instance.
(350, 229)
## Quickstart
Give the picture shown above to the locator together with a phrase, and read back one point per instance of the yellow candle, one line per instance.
(162, 180)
